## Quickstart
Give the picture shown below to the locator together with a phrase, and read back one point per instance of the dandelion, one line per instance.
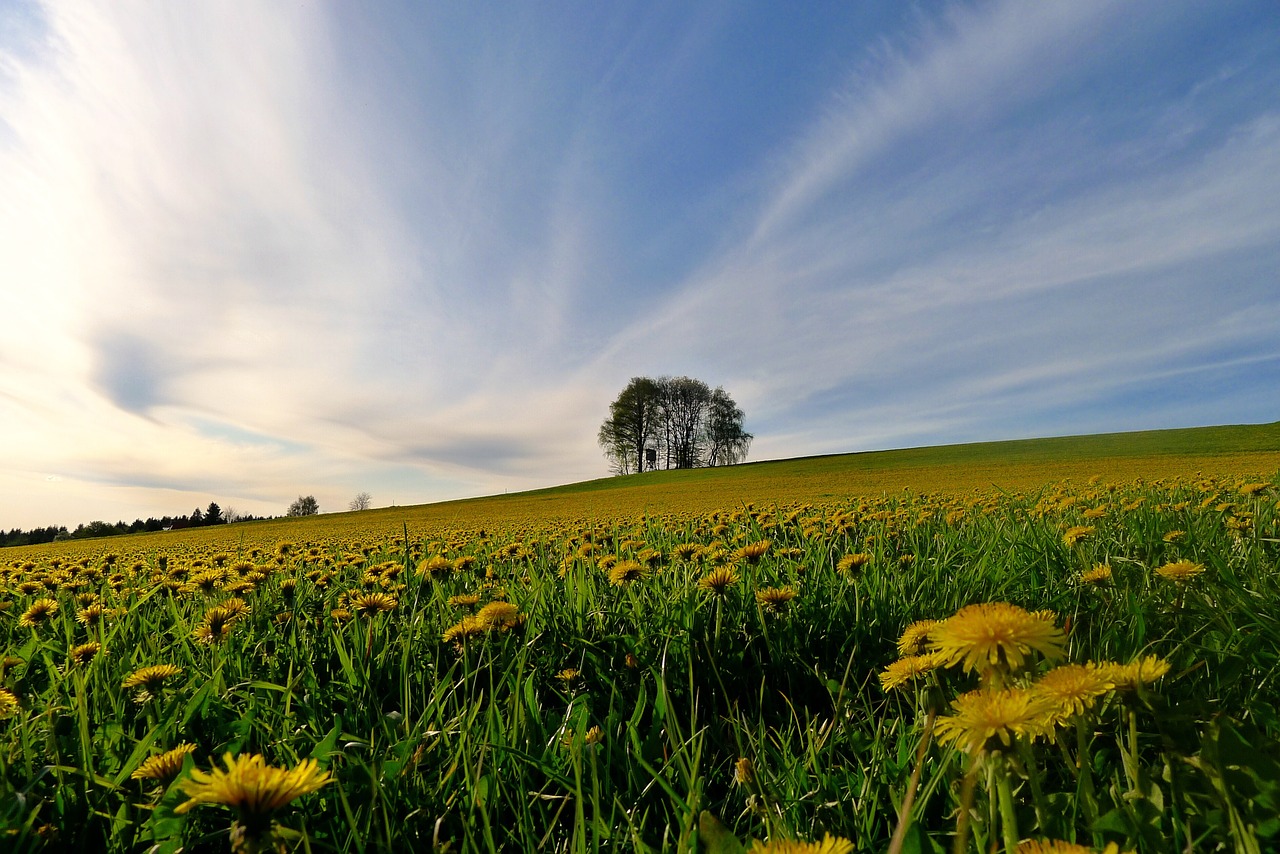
(687, 551)
(81, 654)
(1099, 575)
(468, 626)
(256, 791)
(744, 771)
(1057, 846)
(464, 600)
(1174, 536)
(568, 677)
(753, 552)
(369, 605)
(149, 680)
(774, 599)
(41, 611)
(852, 563)
(995, 634)
(989, 720)
(216, 626)
(1076, 533)
(1179, 571)
(915, 638)
(1251, 489)
(8, 703)
(904, 670)
(718, 581)
(828, 845)
(499, 615)
(435, 566)
(1072, 689)
(626, 571)
(1138, 673)
(164, 767)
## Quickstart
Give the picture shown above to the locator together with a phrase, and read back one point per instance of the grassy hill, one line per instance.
(1241, 450)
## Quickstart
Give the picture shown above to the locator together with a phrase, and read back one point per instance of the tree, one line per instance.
(362, 501)
(304, 506)
(683, 406)
(678, 419)
(727, 442)
(632, 425)
(213, 515)
(229, 514)
(197, 518)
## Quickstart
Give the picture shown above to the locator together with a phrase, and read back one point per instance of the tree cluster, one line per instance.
(212, 515)
(306, 505)
(673, 422)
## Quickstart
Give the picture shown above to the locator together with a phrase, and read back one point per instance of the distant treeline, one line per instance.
(197, 519)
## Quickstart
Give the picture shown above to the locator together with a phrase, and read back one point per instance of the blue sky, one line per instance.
(255, 250)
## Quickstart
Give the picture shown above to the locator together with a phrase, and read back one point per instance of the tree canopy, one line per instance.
(306, 505)
(672, 422)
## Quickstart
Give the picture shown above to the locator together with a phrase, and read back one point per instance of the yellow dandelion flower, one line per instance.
(568, 676)
(626, 571)
(915, 638)
(83, 653)
(994, 634)
(214, 630)
(1138, 673)
(1051, 846)
(8, 703)
(828, 845)
(41, 611)
(340, 615)
(593, 736)
(1100, 574)
(468, 626)
(165, 766)
(753, 552)
(369, 605)
(775, 598)
(1072, 689)
(499, 615)
(435, 566)
(905, 669)
(147, 681)
(718, 581)
(464, 600)
(744, 771)
(1076, 533)
(1174, 536)
(1180, 571)
(851, 563)
(687, 551)
(1251, 489)
(251, 786)
(986, 720)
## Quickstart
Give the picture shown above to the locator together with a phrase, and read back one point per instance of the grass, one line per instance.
(649, 710)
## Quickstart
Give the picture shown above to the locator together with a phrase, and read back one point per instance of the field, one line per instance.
(1011, 646)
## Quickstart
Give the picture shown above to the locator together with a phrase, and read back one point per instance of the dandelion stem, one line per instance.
(967, 787)
(909, 799)
(1008, 816)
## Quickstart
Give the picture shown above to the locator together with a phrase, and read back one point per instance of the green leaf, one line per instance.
(715, 837)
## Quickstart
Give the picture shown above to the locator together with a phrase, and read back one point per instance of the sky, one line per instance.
(255, 250)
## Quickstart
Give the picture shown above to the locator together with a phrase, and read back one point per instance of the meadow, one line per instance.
(1059, 645)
